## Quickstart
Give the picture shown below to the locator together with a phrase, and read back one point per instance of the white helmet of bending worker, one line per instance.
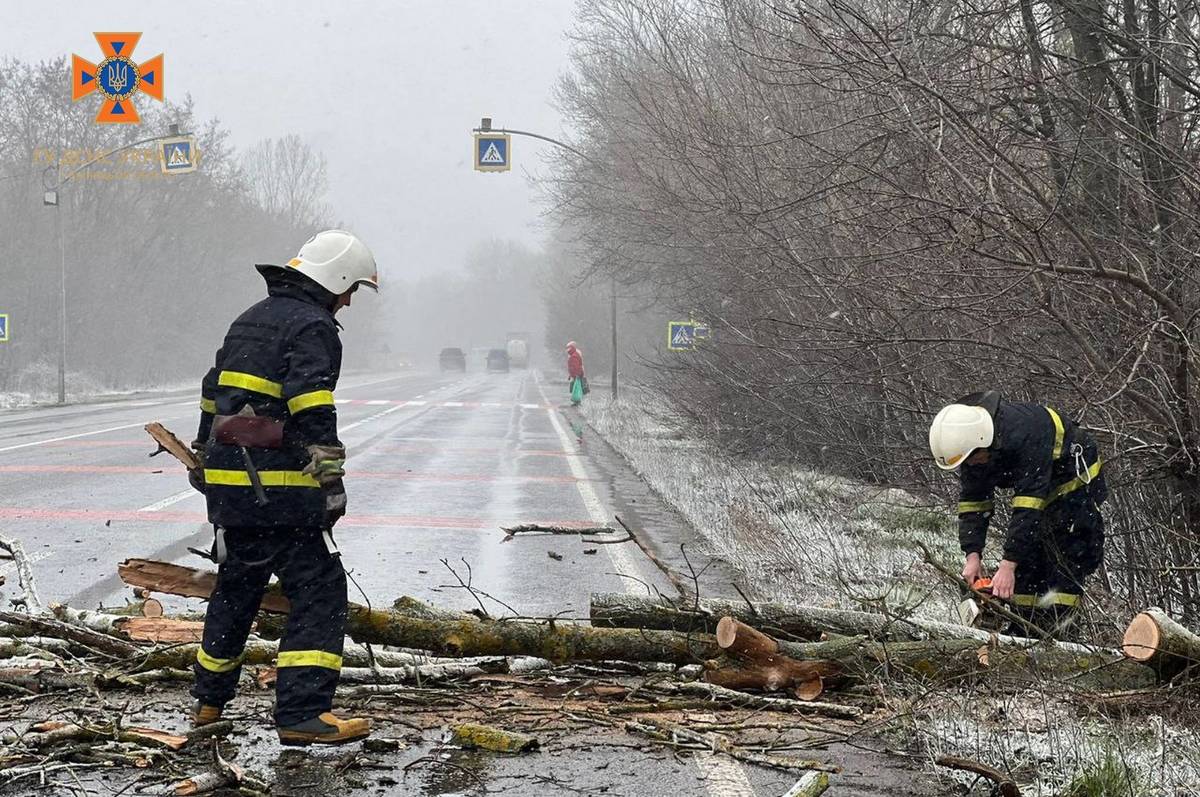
(957, 431)
(337, 261)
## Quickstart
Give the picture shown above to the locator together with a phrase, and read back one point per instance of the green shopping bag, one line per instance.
(576, 391)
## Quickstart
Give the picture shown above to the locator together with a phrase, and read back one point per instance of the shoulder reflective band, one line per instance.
(317, 398)
(1047, 600)
(1028, 502)
(250, 382)
(309, 658)
(1075, 483)
(1059, 432)
(269, 478)
(208, 405)
(213, 664)
(974, 506)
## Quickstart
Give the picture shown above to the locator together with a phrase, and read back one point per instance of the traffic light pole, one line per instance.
(485, 126)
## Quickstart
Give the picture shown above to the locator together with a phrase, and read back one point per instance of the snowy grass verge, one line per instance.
(799, 535)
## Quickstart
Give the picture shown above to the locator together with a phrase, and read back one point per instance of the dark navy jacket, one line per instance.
(282, 358)
(1033, 453)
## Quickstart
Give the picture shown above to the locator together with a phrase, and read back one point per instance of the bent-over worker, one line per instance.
(1056, 532)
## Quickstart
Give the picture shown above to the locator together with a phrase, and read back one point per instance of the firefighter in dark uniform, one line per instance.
(272, 474)
(1056, 532)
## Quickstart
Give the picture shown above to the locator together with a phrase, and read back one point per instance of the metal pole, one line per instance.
(62, 305)
(614, 338)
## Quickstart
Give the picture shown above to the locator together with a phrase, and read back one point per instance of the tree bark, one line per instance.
(781, 620)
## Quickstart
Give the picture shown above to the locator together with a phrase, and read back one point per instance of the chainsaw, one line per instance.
(974, 612)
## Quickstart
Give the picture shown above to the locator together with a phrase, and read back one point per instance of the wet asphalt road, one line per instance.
(437, 463)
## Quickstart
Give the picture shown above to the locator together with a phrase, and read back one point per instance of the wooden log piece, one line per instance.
(1155, 638)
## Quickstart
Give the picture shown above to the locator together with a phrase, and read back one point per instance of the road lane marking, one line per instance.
(723, 777)
(72, 436)
(182, 516)
(370, 418)
(452, 403)
(377, 402)
(395, 475)
(170, 500)
(622, 561)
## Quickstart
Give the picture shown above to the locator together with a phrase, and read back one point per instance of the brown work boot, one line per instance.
(325, 729)
(204, 715)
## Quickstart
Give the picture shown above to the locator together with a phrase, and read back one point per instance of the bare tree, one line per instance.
(288, 180)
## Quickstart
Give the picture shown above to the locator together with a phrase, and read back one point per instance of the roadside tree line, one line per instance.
(880, 206)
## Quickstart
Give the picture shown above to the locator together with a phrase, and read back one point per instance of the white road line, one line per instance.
(72, 436)
(622, 560)
(723, 777)
(452, 403)
(534, 406)
(370, 418)
(416, 403)
(32, 558)
(170, 500)
(377, 402)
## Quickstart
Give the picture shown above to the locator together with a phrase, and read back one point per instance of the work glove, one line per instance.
(326, 464)
(196, 475)
(335, 502)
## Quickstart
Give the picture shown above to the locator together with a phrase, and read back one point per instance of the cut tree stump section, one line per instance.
(762, 666)
(1155, 638)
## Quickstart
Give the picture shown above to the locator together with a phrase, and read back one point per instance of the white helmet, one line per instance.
(337, 261)
(957, 431)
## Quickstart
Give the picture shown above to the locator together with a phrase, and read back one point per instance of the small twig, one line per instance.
(671, 575)
(467, 584)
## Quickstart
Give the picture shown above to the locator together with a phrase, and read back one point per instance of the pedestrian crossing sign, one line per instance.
(492, 152)
(177, 155)
(3, 327)
(681, 335)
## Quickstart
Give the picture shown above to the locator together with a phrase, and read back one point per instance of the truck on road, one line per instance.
(517, 346)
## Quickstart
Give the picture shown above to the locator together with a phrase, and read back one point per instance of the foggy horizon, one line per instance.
(390, 103)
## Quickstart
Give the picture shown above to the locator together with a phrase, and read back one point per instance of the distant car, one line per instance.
(497, 360)
(453, 359)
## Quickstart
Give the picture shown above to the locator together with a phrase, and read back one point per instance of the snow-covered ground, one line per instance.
(38, 384)
(803, 536)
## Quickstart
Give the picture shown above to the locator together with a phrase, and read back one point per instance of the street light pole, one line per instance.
(51, 197)
(485, 126)
(62, 306)
(614, 337)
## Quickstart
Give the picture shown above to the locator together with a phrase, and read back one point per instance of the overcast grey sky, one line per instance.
(388, 91)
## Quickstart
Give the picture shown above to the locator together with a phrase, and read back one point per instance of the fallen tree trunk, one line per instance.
(1096, 673)
(780, 620)
(558, 642)
(1154, 638)
(764, 666)
(939, 660)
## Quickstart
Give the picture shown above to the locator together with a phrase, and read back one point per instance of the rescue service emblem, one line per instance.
(117, 78)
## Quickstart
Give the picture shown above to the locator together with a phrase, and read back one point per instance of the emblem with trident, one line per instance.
(118, 76)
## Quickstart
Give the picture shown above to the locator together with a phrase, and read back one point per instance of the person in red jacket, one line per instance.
(575, 372)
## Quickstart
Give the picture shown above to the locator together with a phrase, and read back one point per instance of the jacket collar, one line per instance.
(292, 284)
